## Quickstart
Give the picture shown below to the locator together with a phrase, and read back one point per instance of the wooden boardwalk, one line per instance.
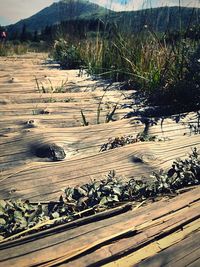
(164, 233)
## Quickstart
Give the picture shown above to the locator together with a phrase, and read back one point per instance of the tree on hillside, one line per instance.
(1, 28)
(36, 37)
(47, 33)
(25, 35)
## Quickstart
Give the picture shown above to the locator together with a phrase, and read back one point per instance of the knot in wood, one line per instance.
(52, 151)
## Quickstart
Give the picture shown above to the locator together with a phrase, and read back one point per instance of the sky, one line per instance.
(12, 11)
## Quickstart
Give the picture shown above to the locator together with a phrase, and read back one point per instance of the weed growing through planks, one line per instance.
(42, 89)
(125, 140)
(54, 100)
(50, 100)
(51, 89)
(118, 142)
(40, 112)
(19, 217)
(85, 122)
(108, 118)
(109, 115)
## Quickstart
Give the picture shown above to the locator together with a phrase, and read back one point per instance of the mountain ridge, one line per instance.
(159, 18)
(60, 11)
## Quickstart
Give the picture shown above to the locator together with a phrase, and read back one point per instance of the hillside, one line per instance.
(160, 19)
(61, 11)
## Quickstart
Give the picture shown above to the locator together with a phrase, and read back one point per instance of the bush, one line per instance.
(9, 49)
(67, 55)
(184, 90)
(165, 74)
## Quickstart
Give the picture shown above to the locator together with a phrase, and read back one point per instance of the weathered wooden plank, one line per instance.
(95, 97)
(23, 175)
(184, 253)
(62, 245)
(112, 251)
(148, 251)
(44, 179)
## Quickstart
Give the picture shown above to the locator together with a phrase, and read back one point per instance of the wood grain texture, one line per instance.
(30, 118)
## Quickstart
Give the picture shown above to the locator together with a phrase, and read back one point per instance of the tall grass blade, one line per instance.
(85, 123)
(109, 117)
(99, 108)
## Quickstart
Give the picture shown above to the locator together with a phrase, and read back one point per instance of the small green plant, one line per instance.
(54, 100)
(125, 140)
(68, 99)
(145, 137)
(109, 116)
(39, 112)
(67, 55)
(51, 89)
(117, 142)
(50, 100)
(40, 88)
(85, 122)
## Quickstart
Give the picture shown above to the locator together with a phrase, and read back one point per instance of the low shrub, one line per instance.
(9, 49)
(67, 55)
(162, 72)
(183, 91)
